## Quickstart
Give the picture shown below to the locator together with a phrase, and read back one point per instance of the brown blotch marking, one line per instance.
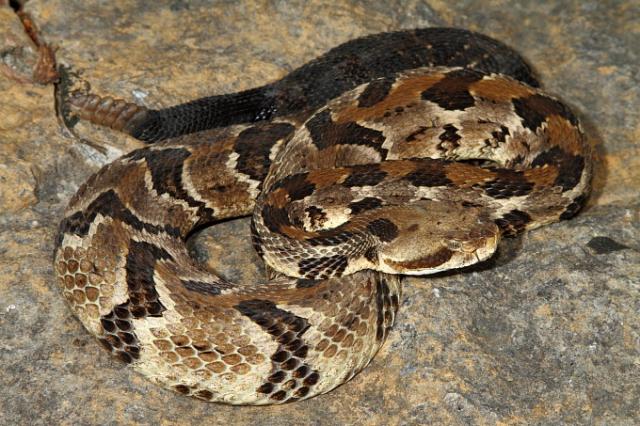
(204, 394)
(180, 340)
(450, 135)
(317, 217)
(296, 186)
(279, 395)
(542, 176)
(384, 229)
(297, 233)
(72, 265)
(507, 183)
(418, 134)
(326, 133)
(467, 175)
(109, 204)
(302, 392)
(92, 293)
(67, 253)
(328, 177)
(274, 218)
(81, 280)
(398, 168)
(406, 90)
(535, 109)
(565, 134)
(573, 208)
(513, 223)
(277, 377)
(429, 172)
(217, 367)
(265, 388)
(241, 368)
(430, 261)
(186, 352)
(278, 198)
(164, 166)
(570, 167)
(375, 92)
(452, 92)
(219, 186)
(311, 379)
(193, 363)
(365, 175)
(183, 389)
(499, 89)
(330, 351)
(253, 146)
(366, 204)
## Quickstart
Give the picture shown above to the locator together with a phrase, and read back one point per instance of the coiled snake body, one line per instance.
(400, 153)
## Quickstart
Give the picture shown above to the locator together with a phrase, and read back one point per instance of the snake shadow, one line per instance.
(601, 170)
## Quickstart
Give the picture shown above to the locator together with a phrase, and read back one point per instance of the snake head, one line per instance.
(435, 236)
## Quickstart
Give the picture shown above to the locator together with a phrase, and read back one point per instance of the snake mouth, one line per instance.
(443, 259)
(430, 261)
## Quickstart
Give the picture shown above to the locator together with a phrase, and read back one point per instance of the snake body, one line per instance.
(395, 154)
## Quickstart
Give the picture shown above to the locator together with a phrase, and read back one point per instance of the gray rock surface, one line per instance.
(547, 332)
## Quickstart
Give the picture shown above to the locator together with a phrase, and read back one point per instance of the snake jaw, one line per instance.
(444, 258)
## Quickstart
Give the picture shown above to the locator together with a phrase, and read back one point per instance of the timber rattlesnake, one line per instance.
(406, 153)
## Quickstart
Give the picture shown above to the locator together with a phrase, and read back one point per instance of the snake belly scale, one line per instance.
(404, 153)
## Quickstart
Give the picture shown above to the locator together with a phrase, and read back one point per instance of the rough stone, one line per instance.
(547, 332)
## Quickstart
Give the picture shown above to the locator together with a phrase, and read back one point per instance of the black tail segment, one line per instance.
(206, 113)
(340, 69)
(382, 55)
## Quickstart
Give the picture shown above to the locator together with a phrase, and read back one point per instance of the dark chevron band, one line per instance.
(288, 359)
